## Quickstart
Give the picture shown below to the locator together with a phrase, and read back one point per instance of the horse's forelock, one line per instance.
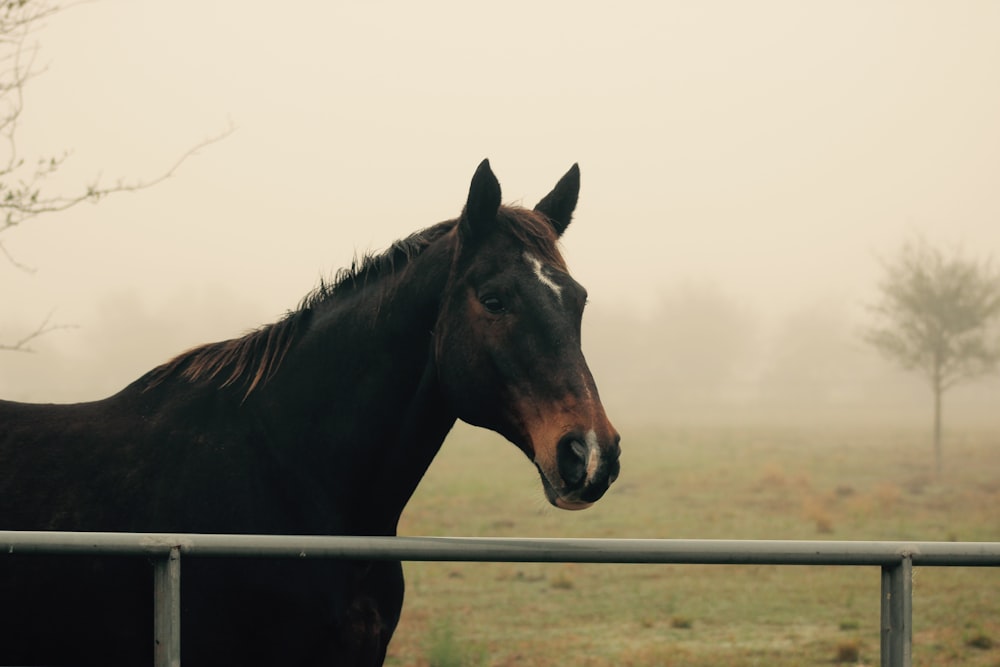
(535, 232)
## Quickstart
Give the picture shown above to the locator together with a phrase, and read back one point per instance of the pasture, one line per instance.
(702, 482)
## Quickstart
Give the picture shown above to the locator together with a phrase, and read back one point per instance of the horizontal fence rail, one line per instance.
(507, 549)
(896, 559)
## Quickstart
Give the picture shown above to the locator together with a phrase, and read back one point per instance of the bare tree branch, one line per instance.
(22, 181)
(23, 345)
(13, 261)
(25, 203)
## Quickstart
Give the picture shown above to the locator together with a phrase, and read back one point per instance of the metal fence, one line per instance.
(896, 559)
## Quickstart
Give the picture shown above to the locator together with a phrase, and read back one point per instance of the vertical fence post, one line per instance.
(167, 609)
(897, 613)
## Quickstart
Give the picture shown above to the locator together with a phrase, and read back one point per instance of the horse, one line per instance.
(321, 423)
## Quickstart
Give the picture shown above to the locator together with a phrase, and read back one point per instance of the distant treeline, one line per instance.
(701, 355)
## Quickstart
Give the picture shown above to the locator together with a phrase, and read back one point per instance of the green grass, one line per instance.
(445, 649)
(752, 483)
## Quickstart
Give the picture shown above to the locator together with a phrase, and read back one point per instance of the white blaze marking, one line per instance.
(537, 267)
(593, 453)
(586, 388)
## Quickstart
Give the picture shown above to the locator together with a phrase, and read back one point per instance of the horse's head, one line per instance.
(508, 340)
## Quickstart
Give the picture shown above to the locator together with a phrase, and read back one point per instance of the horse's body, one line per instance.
(321, 424)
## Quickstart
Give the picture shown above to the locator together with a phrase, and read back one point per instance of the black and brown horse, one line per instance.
(320, 424)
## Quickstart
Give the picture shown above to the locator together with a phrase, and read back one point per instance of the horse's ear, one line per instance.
(558, 205)
(484, 200)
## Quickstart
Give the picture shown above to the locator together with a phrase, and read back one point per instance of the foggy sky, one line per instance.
(770, 151)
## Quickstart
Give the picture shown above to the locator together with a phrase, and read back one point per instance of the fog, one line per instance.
(744, 166)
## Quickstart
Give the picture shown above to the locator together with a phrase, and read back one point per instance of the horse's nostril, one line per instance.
(613, 470)
(572, 460)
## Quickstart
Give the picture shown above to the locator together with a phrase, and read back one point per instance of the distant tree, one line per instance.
(22, 180)
(937, 315)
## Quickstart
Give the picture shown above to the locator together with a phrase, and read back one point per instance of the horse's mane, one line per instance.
(255, 357)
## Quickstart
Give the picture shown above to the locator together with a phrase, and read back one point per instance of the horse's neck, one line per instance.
(422, 430)
(365, 384)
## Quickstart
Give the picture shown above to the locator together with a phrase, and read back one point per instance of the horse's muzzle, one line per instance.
(586, 469)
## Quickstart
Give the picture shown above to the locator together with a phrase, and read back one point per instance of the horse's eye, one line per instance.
(493, 304)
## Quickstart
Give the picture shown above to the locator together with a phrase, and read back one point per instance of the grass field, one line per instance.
(752, 483)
